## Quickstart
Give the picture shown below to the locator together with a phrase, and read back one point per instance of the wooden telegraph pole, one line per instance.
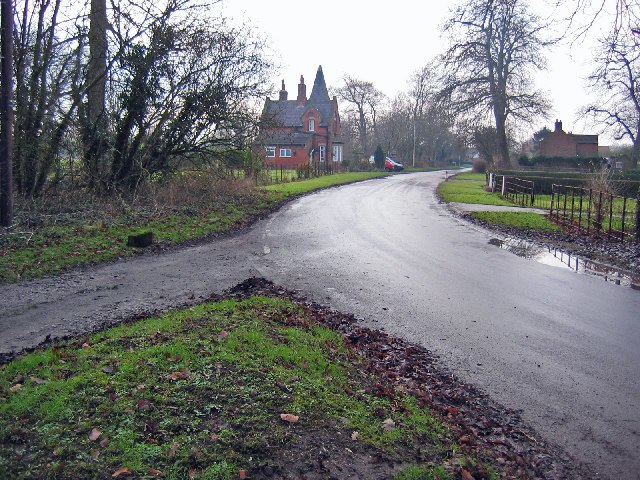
(6, 112)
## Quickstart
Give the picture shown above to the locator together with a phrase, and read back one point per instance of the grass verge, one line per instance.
(520, 220)
(57, 242)
(284, 190)
(468, 191)
(222, 390)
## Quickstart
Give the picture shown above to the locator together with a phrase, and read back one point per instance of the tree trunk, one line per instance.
(6, 115)
(95, 127)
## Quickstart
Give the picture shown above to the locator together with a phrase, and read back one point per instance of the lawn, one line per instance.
(460, 189)
(222, 390)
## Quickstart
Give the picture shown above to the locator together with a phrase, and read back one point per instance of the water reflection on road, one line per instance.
(560, 258)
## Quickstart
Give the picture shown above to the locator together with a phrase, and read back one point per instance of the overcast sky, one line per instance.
(385, 42)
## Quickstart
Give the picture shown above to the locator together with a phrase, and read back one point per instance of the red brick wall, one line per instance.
(587, 149)
(558, 144)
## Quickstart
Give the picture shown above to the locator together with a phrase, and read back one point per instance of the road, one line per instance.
(561, 347)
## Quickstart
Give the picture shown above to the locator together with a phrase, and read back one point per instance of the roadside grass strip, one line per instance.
(214, 391)
(465, 191)
(520, 220)
(51, 249)
(284, 190)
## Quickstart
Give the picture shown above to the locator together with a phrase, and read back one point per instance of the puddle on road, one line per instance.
(559, 258)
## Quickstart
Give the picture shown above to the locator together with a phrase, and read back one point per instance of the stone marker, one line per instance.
(141, 240)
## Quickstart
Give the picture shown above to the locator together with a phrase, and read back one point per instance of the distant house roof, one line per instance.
(585, 138)
(288, 113)
(285, 138)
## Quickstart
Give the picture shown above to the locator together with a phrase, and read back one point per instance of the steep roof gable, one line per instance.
(319, 93)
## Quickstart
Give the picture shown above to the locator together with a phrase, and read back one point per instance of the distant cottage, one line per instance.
(561, 144)
(302, 130)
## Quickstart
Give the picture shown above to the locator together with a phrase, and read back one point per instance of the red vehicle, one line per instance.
(392, 165)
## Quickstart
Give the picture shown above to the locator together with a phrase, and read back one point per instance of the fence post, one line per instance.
(504, 185)
(624, 211)
(610, 216)
(638, 218)
(553, 191)
(589, 210)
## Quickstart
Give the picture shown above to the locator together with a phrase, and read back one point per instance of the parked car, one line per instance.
(392, 165)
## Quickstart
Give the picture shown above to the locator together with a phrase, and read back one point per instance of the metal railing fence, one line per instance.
(594, 212)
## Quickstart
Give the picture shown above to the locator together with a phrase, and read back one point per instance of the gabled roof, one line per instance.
(288, 113)
(319, 93)
(285, 138)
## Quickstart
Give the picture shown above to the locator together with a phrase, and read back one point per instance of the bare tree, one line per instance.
(617, 80)
(6, 114)
(494, 46)
(93, 118)
(364, 101)
(421, 92)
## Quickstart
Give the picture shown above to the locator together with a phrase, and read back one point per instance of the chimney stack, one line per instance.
(558, 125)
(283, 93)
(302, 92)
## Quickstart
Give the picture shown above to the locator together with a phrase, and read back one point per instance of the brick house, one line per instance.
(303, 130)
(561, 144)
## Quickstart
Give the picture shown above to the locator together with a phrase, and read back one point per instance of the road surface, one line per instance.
(561, 347)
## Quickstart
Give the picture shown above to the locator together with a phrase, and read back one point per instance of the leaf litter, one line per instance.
(490, 440)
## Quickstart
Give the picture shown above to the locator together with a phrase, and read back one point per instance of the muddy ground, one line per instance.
(483, 429)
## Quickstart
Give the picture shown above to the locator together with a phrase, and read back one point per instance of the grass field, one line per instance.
(469, 190)
(215, 391)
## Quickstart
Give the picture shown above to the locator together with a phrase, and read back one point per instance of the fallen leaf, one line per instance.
(289, 417)
(388, 424)
(223, 334)
(172, 451)
(215, 437)
(85, 345)
(143, 404)
(95, 454)
(192, 472)
(121, 471)
(38, 381)
(466, 475)
(156, 472)
(355, 436)
(109, 369)
(16, 387)
(95, 434)
(104, 442)
(453, 410)
(179, 375)
(242, 474)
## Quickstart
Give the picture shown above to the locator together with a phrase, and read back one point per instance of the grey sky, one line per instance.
(385, 42)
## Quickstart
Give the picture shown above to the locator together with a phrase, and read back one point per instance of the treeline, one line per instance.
(111, 97)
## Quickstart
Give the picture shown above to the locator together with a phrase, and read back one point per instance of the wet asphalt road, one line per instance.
(563, 348)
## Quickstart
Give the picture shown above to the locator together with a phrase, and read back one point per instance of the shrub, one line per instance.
(479, 165)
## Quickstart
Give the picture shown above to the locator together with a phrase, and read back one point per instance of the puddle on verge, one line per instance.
(562, 259)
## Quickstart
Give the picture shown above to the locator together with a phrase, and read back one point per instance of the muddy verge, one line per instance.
(482, 428)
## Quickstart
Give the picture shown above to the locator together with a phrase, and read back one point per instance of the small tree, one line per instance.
(378, 157)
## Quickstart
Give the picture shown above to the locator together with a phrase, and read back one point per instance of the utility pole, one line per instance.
(6, 112)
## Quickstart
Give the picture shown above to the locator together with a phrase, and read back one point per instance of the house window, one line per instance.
(285, 152)
(271, 152)
(337, 153)
(312, 125)
(322, 151)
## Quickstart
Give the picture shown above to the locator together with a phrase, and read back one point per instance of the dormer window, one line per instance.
(312, 125)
